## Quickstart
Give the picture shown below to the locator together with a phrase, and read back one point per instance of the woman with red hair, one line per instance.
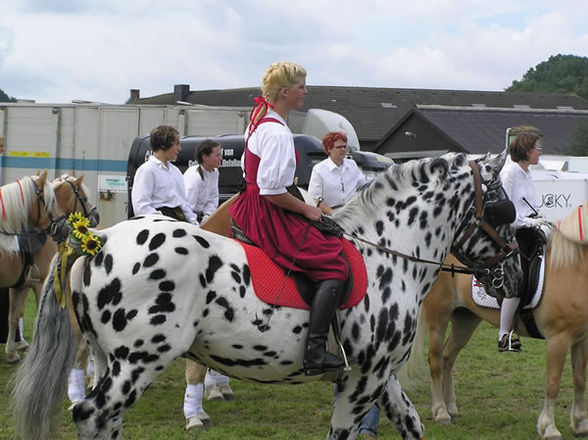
(336, 179)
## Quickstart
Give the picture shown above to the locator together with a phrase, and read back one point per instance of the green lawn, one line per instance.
(500, 396)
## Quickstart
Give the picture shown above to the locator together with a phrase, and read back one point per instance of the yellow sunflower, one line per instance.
(90, 244)
(74, 217)
(80, 228)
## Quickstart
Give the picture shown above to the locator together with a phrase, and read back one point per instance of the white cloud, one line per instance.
(98, 50)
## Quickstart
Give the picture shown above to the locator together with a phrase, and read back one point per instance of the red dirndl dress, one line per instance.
(280, 234)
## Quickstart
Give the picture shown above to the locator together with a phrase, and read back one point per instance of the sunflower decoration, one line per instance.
(91, 244)
(81, 241)
(81, 238)
(80, 227)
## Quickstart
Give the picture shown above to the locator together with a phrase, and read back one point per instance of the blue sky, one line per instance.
(97, 50)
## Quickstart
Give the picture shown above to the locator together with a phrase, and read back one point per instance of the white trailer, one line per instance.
(559, 192)
(95, 139)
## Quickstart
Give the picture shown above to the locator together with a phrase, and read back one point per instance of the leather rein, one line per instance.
(506, 249)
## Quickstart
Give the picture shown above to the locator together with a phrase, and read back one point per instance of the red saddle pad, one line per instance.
(268, 278)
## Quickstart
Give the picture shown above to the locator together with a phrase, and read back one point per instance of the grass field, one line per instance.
(500, 396)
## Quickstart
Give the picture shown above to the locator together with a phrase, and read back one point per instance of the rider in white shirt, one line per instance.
(158, 186)
(524, 151)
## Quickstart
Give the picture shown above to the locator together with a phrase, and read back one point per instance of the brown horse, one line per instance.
(49, 206)
(561, 317)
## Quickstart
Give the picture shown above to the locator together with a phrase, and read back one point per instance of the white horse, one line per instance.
(160, 289)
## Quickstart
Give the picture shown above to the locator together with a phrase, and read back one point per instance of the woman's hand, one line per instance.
(313, 213)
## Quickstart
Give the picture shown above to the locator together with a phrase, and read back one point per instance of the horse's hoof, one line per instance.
(195, 422)
(227, 392)
(443, 418)
(22, 345)
(213, 394)
(205, 418)
(73, 404)
(13, 358)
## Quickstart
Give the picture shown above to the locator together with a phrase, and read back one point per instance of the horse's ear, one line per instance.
(79, 180)
(499, 160)
(42, 177)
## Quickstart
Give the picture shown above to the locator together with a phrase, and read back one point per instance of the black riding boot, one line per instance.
(324, 305)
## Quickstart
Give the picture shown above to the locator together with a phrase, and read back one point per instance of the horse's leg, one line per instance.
(401, 412)
(76, 385)
(100, 415)
(76, 389)
(463, 325)
(193, 411)
(216, 386)
(17, 300)
(557, 348)
(437, 326)
(578, 420)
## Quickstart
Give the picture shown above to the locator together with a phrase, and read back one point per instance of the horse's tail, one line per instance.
(413, 371)
(41, 381)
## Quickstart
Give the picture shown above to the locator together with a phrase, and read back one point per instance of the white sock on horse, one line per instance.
(210, 381)
(193, 400)
(76, 385)
(222, 380)
(507, 314)
(21, 328)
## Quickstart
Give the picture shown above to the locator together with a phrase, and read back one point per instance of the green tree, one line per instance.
(561, 73)
(5, 98)
(579, 145)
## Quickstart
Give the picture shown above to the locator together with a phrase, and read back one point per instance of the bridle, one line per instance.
(58, 227)
(492, 266)
(91, 213)
(55, 223)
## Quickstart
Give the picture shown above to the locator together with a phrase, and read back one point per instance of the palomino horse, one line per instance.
(159, 289)
(47, 205)
(561, 318)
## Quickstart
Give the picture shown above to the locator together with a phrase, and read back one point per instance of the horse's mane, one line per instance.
(564, 252)
(16, 202)
(569, 238)
(403, 177)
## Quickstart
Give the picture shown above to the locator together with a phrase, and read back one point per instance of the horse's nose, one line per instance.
(94, 217)
(60, 230)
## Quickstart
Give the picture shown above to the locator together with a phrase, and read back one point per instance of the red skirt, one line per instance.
(286, 238)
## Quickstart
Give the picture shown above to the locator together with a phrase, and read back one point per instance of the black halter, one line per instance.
(54, 223)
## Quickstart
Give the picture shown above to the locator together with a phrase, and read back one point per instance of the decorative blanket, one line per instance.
(482, 299)
(272, 286)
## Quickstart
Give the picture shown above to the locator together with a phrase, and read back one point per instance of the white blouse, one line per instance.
(201, 191)
(518, 184)
(273, 143)
(156, 185)
(335, 184)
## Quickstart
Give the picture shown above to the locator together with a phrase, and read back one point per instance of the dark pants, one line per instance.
(4, 311)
